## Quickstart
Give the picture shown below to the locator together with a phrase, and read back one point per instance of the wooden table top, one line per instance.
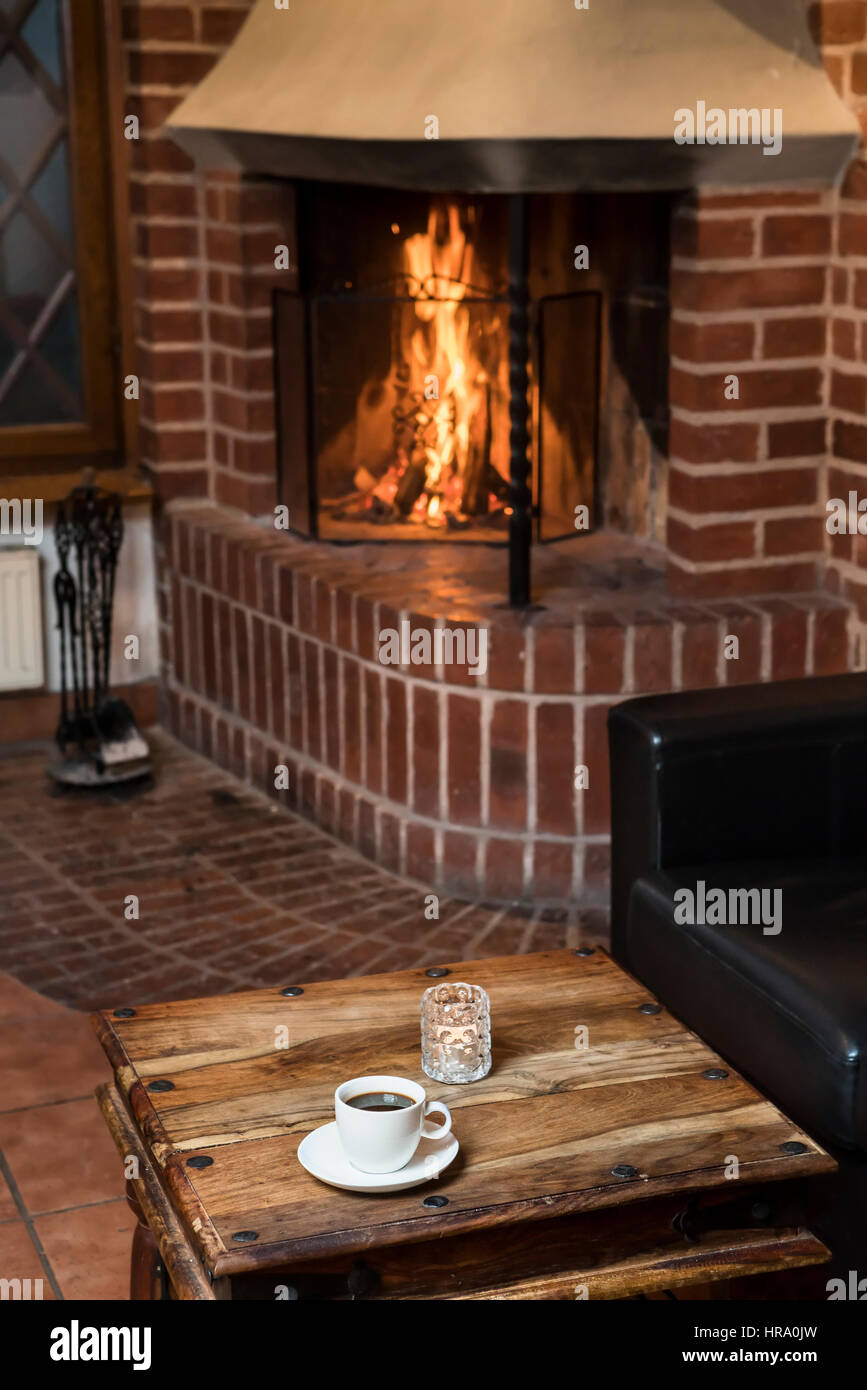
(539, 1135)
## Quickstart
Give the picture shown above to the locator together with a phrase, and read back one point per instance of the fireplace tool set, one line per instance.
(97, 733)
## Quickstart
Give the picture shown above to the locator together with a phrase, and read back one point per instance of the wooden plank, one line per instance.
(189, 1279)
(725, 1258)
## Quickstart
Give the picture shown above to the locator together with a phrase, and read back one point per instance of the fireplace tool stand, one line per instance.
(97, 734)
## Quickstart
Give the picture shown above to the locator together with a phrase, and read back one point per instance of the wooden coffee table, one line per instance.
(604, 1172)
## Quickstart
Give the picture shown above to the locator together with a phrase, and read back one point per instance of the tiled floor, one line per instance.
(232, 893)
(63, 1219)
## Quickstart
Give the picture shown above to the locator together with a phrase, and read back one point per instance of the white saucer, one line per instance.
(321, 1153)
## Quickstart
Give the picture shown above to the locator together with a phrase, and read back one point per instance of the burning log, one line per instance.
(412, 484)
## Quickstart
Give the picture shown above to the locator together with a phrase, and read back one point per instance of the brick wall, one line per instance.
(841, 27)
(202, 274)
(750, 300)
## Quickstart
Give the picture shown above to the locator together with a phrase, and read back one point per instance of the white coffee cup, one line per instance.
(382, 1141)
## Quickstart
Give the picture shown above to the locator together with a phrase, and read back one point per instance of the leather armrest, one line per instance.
(755, 772)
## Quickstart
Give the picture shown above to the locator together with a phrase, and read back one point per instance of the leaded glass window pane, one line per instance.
(40, 334)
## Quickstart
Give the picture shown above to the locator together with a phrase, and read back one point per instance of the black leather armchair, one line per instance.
(754, 787)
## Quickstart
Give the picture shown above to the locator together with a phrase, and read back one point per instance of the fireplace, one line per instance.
(509, 293)
(392, 369)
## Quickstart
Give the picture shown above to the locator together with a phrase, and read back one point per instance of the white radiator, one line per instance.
(21, 659)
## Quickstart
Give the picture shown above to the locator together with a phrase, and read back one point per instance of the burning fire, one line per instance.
(438, 401)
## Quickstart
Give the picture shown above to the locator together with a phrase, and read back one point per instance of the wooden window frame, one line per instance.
(90, 36)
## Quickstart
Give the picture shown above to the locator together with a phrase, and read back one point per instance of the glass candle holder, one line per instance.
(455, 1033)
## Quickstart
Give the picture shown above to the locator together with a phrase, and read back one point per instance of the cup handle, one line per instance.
(436, 1131)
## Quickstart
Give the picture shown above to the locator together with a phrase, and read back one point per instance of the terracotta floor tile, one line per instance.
(19, 1258)
(223, 877)
(8, 1209)
(49, 1057)
(61, 1156)
(89, 1249)
(17, 1001)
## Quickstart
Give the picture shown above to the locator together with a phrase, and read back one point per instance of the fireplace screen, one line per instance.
(394, 378)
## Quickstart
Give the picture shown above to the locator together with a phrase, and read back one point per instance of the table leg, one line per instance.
(147, 1281)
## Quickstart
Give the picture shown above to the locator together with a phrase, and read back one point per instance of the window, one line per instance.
(59, 386)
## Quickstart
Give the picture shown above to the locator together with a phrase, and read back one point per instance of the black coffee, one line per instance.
(380, 1101)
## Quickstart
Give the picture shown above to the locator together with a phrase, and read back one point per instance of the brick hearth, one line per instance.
(462, 782)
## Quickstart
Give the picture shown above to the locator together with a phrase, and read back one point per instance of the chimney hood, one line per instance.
(522, 95)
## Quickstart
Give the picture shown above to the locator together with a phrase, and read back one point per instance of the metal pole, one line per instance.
(520, 522)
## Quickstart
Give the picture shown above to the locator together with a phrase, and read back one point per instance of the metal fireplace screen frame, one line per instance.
(571, 321)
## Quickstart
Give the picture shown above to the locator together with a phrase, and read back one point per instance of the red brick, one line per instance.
(168, 23)
(225, 693)
(835, 70)
(859, 76)
(796, 235)
(167, 241)
(746, 669)
(465, 751)
(756, 198)
(714, 443)
(849, 392)
(700, 650)
(837, 21)
(844, 339)
(707, 291)
(209, 647)
(840, 284)
(426, 751)
(552, 869)
(758, 390)
(178, 644)
(850, 441)
(313, 699)
(508, 765)
(373, 729)
(597, 796)
(712, 544)
(788, 639)
(796, 438)
(276, 674)
(174, 445)
(794, 536)
(167, 68)
(830, 642)
(555, 764)
(420, 853)
(785, 577)
(597, 865)
(702, 239)
(794, 337)
(554, 660)
(395, 738)
(331, 698)
(389, 840)
(351, 719)
(459, 862)
(504, 870)
(604, 647)
(711, 342)
(161, 198)
(507, 654)
(651, 653)
(855, 180)
(859, 292)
